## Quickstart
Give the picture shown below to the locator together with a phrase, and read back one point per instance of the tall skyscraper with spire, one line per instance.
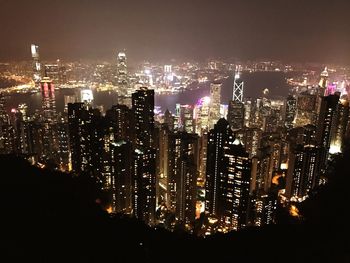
(235, 115)
(122, 79)
(238, 85)
(37, 72)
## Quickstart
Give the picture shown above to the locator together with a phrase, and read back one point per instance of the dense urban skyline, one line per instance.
(156, 125)
(287, 30)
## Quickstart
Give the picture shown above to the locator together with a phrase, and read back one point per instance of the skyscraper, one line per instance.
(122, 68)
(182, 173)
(122, 79)
(341, 119)
(304, 162)
(169, 119)
(120, 119)
(262, 165)
(3, 113)
(306, 109)
(162, 165)
(143, 110)
(291, 107)
(86, 139)
(186, 118)
(49, 121)
(48, 99)
(201, 115)
(248, 107)
(251, 138)
(144, 177)
(215, 99)
(236, 186)
(63, 145)
(227, 177)
(37, 71)
(121, 169)
(238, 86)
(303, 171)
(323, 84)
(144, 185)
(235, 114)
(56, 72)
(326, 127)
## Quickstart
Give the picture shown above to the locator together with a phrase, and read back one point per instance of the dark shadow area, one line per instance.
(48, 216)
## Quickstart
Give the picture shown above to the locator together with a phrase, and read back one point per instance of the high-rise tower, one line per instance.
(238, 85)
(122, 79)
(327, 125)
(144, 175)
(50, 137)
(235, 114)
(291, 108)
(182, 173)
(227, 177)
(86, 139)
(323, 81)
(215, 99)
(36, 63)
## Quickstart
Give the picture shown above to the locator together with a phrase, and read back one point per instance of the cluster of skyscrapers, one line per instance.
(203, 168)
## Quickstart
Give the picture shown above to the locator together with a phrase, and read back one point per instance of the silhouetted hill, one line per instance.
(53, 217)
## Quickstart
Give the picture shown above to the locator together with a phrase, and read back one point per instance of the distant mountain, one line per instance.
(6, 83)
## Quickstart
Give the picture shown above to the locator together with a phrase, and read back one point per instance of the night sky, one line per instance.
(290, 30)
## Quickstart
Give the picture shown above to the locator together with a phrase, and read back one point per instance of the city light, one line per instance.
(212, 130)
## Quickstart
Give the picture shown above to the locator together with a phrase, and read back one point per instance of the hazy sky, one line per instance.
(297, 30)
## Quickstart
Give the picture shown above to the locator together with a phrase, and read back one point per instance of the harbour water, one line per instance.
(255, 83)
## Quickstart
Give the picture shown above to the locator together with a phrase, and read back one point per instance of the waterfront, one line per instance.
(255, 83)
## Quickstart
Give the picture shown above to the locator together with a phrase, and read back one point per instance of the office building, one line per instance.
(37, 71)
(235, 115)
(215, 100)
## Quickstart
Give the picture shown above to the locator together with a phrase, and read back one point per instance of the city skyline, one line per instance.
(159, 30)
(175, 130)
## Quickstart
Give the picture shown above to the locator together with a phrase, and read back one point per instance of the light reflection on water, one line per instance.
(254, 84)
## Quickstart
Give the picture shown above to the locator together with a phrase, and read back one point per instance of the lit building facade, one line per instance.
(238, 86)
(327, 125)
(144, 169)
(86, 139)
(120, 181)
(303, 171)
(306, 110)
(182, 173)
(235, 115)
(227, 178)
(291, 108)
(201, 115)
(215, 100)
(124, 92)
(37, 71)
(49, 120)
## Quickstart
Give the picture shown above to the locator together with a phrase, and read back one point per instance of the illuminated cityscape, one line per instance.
(166, 156)
(205, 148)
